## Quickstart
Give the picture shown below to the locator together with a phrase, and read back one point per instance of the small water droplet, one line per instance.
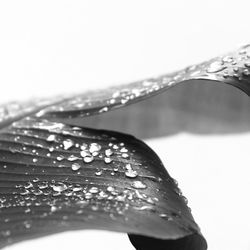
(84, 146)
(139, 185)
(51, 138)
(143, 208)
(98, 173)
(123, 150)
(53, 209)
(94, 147)
(88, 196)
(6, 233)
(88, 159)
(60, 157)
(124, 155)
(108, 152)
(165, 217)
(72, 158)
(215, 67)
(246, 72)
(42, 185)
(131, 173)
(93, 190)
(75, 166)
(104, 109)
(34, 160)
(85, 153)
(227, 59)
(108, 160)
(59, 187)
(110, 189)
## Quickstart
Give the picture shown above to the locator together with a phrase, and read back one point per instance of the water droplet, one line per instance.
(108, 160)
(51, 149)
(88, 159)
(6, 233)
(77, 188)
(247, 64)
(131, 173)
(51, 138)
(27, 224)
(94, 147)
(139, 185)
(88, 196)
(28, 185)
(84, 146)
(60, 157)
(27, 210)
(124, 155)
(85, 153)
(105, 109)
(165, 217)
(108, 152)
(93, 190)
(53, 209)
(143, 208)
(95, 153)
(228, 59)
(42, 185)
(112, 101)
(110, 189)
(216, 66)
(67, 144)
(98, 173)
(94, 208)
(75, 166)
(59, 187)
(72, 158)
(123, 150)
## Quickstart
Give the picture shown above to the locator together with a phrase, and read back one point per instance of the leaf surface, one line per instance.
(56, 177)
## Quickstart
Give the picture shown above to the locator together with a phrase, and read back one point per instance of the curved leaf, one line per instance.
(55, 177)
(232, 68)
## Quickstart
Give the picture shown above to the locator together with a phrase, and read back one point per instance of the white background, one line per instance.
(53, 47)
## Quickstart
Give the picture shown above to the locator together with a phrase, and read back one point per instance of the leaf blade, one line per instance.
(133, 192)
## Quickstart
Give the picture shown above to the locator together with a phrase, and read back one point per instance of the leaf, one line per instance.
(232, 68)
(56, 177)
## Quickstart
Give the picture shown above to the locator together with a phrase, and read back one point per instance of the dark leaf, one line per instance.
(55, 178)
(57, 175)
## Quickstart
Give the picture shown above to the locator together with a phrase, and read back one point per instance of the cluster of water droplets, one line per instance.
(87, 156)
